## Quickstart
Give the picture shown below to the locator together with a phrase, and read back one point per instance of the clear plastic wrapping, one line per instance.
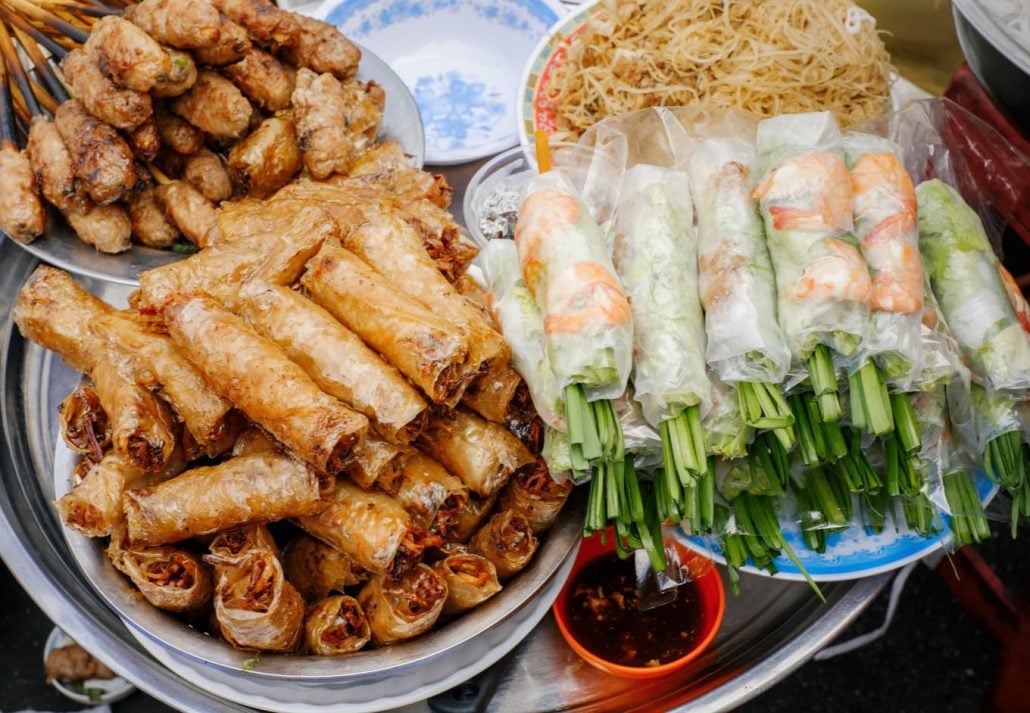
(726, 434)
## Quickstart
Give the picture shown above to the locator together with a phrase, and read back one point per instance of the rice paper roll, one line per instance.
(369, 526)
(495, 393)
(259, 379)
(336, 625)
(736, 280)
(247, 489)
(568, 270)
(85, 428)
(507, 541)
(428, 350)
(964, 274)
(481, 453)
(374, 459)
(535, 495)
(336, 359)
(241, 539)
(656, 257)
(726, 433)
(403, 607)
(471, 516)
(470, 580)
(254, 440)
(317, 570)
(170, 578)
(422, 486)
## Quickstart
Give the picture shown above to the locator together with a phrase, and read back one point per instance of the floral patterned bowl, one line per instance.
(462, 60)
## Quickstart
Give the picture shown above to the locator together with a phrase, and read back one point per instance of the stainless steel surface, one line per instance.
(60, 246)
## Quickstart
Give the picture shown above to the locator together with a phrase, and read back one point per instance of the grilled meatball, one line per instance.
(215, 105)
(22, 215)
(181, 77)
(105, 227)
(323, 48)
(149, 223)
(178, 134)
(51, 161)
(103, 161)
(186, 24)
(145, 140)
(121, 108)
(233, 43)
(263, 21)
(266, 160)
(263, 78)
(127, 54)
(207, 173)
(188, 209)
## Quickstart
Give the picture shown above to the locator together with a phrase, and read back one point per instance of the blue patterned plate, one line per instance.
(851, 554)
(462, 59)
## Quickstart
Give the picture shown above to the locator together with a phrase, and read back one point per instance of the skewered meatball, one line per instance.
(263, 21)
(181, 77)
(145, 140)
(52, 163)
(233, 43)
(263, 78)
(207, 173)
(188, 209)
(149, 223)
(121, 108)
(105, 227)
(266, 160)
(22, 215)
(187, 24)
(178, 134)
(215, 105)
(323, 48)
(103, 160)
(127, 54)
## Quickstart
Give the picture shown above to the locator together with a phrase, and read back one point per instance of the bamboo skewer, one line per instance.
(17, 70)
(22, 25)
(44, 70)
(7, 129)
(91, 10)
(50, 20)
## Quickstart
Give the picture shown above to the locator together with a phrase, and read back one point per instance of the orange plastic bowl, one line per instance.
(711, 595)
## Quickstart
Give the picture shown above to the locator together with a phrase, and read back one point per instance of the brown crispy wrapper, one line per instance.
(535, 495)
(507, 541)
(170, 578)
(317, 570)
(403, 607)
(335, 626)
(471, 580)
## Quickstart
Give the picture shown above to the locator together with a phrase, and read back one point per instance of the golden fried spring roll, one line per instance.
(431, 352)
(469, 518)
(507, 541)
(336, 359)
(267, 159)
(535, 495)
(254, 440)
(255, 607)
(494, 393)
(423, 486)
(334, 626)
(273, 392)
(150, 225)
(367, 525)
(248, 217)
(374, 459)
(187, 208)
(482, 453)
(241, 539)
(402, 607)
(170, 578)
(470, 579)
(248, 489)
(85, 427)
(317, 570)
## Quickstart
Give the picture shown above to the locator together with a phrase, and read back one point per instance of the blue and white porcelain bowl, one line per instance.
(462, 59)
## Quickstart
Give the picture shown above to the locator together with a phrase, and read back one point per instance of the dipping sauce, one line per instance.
(602, 613)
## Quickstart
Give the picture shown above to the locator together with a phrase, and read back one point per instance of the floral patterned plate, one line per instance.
(460, 58)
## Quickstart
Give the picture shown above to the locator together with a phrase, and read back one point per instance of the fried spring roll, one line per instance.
(335, 626)
(263, 79)
(187, 24)
(535, 495)
(205, 170)
(267, 159)
(254, 440)
(402, 607)
(367, 525)
(85, 427)
(494, 394)
(105, 227)
(242, 539)
(127, 54)
(247, 489)
(374, 459)
(121, 108)
(431, 352)
(187, 208)
(317, 570)
(469, 518)
(181, 78)
(256, 376)
(249, 217)
(336, 359)
(423, 486)
(170, 578)
(507, 541)
(214, 104)
(482, 453)
(233, 43)
(149, 223)
(470, 579)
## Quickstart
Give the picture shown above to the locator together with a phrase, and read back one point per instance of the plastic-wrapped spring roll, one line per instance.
(374, 459)
(403, 607)
(85, 427)
(170, 578)
(335, 626)
(470, 580)
(535, 495)
(255, 375)
(998, 425)
(475, 510)
(941, 354)
(822, 281)
(336, 359)
(316, 569)
(481, 453)
(737, 284)
(726, 433)
(254, 488)
(964, 275)
(430, 351)
(367, 526)
(422, 486)
(507, 541)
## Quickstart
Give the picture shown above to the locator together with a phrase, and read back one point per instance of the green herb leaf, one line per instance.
(251, 663)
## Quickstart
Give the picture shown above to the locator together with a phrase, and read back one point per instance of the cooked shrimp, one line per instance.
(1016, 298)
(819, 190)
(544, 213)
(842, 275)
(586, 296)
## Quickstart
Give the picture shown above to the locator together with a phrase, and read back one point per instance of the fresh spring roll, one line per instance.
(85, 428)
(423, 486)
(403, 607)
(507, 541)
(482, 453)
(273, 392)
(964, 275)
(317, 570)
(248, 489)
(535, 495)
(369, 526)
(726, 433)
(170, 578)
(567, 268)
(430, 351)
(336, 625)
(471, 516)
(336, 359)
(374, 460)
(470, 580)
